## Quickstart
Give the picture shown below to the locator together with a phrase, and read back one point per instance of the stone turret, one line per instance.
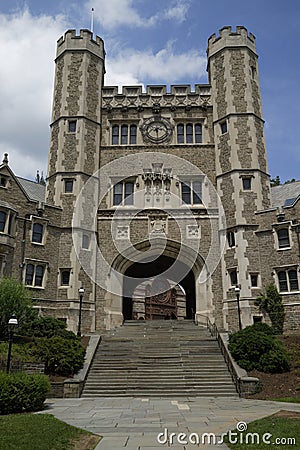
(238, 123)
(76, 115)
(75, 154)
(241, 161)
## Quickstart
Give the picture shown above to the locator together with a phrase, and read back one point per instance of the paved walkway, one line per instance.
(135, 423)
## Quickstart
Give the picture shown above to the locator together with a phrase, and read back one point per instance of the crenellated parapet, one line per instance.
(178, 95)
(70, 41)
(228, 38)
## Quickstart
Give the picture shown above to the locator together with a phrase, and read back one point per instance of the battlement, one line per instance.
(157, 90)
(84, 41)
(156, 96)
(228, 38)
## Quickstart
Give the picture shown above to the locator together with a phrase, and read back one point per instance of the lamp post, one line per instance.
(237, 293)
(12, 324)
(81, 292)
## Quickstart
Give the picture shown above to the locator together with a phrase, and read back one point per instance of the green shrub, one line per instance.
(20, 352)
(271, 303)
(20, 392)
(275, 361)
(254, 349)
(61, 356)
(14, 299)
(260, 326)
(46, 327)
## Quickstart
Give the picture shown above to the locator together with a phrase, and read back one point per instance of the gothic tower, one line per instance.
(241, 162)
(74, 149)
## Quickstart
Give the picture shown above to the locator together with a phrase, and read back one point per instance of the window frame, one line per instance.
(37, 279)
(189, 133)
(224, 127)
(124, 134)
(41, 234)
(285, 280)
(64, 283)
(187, 189)
(68, 181)
(230, 236)
(245, 180)
(233, 281)
(281, 246)
(72, 126)
(126, 193)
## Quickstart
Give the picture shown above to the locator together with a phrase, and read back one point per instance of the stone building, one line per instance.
(157, 202)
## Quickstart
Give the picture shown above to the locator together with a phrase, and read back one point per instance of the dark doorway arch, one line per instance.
(151, 269)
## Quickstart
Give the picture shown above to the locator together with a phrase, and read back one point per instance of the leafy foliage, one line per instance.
(271, 303)
(46, 327)
(254, 349)
(275, 181)
(20, 392)
(61, 356)
(14, 299)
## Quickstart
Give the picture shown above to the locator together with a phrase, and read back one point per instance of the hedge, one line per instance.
(21, 392)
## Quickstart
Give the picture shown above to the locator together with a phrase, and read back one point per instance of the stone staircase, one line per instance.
(158, 358)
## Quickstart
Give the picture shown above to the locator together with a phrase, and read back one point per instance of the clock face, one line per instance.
(156, 130)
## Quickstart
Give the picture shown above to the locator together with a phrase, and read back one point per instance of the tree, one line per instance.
(271, 303)
(14, 299)
(275, 181)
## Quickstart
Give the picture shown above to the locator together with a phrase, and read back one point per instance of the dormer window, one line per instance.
(3, 181)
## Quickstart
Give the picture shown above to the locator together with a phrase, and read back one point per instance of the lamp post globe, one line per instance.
(12, 324)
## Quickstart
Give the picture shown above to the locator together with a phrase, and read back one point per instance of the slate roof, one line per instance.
(35, 191)
(285, 194)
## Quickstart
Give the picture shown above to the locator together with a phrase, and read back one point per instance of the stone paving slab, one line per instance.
(135, 423)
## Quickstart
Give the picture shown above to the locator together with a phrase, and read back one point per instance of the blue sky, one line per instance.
(147, 42)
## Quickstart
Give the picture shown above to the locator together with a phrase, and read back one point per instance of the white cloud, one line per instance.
(114, 13)
(27, 50)
(155, 67)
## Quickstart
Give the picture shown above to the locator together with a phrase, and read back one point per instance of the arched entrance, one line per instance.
(161, 295)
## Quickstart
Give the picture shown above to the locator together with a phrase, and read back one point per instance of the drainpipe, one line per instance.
(23, 245)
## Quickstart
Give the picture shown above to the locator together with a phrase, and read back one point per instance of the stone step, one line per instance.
(158, 358)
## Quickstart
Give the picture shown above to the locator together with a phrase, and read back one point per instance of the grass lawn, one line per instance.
(286, 399)
(42, 432)
(280, 430)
